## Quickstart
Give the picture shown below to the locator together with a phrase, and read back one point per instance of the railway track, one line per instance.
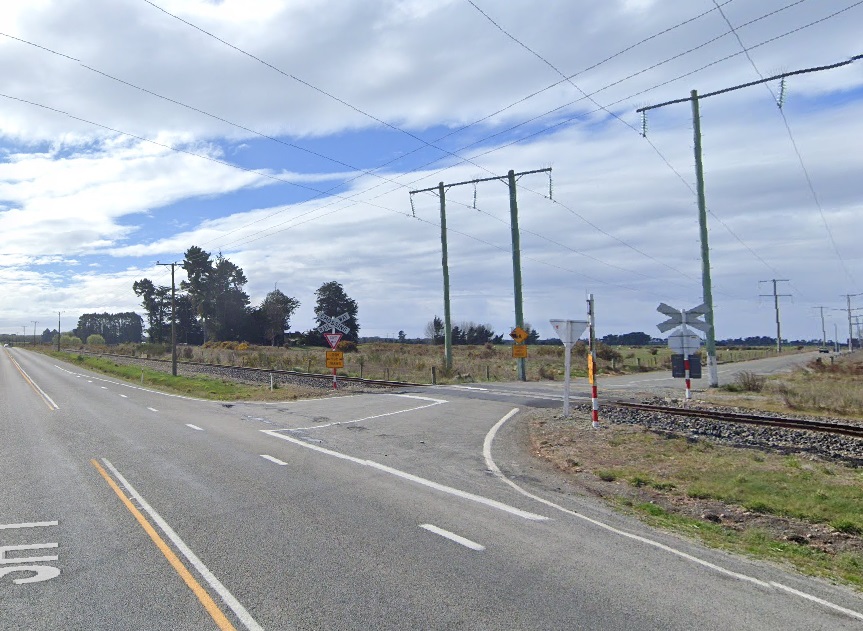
(825, 427)
(287, 375)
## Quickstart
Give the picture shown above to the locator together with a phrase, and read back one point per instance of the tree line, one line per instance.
(212, 305)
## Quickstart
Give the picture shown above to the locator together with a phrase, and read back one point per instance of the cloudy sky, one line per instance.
(287, 135)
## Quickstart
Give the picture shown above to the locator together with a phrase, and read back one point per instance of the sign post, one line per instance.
(684, 344)
(335, 359)
(568, 331)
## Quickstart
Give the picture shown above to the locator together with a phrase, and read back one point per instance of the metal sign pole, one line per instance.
(567, 363)
(335, 383)
(568, 331)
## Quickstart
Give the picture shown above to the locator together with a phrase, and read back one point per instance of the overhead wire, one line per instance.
(264, 174)
(806, 175)
(633, 128)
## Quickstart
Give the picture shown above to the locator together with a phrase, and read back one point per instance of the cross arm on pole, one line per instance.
(751, 83)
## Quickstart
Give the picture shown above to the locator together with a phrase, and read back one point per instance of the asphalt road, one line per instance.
(550, 393)
(123, 508)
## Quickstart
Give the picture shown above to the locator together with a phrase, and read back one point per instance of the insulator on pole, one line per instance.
(644, 124)
(474, 195)
(550, 191)
(781, 100)
(413, 211)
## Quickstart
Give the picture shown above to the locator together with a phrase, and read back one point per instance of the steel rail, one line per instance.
(855, 431)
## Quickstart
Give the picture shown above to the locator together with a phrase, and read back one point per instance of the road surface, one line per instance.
(123, 508)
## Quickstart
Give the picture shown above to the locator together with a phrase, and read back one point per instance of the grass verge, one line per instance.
(790, 509)
(199, 387)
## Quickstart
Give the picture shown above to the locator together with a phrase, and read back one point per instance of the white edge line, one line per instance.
(411, 477)
(369, 418)
(153, 409)
(486, 450)
(244, 616)
(31, 524)
(35, 385)
(200, 429)
(467, 543)
(271, 459)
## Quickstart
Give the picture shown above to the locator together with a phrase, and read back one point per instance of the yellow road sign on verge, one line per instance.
(335, 359)
(519, 351)
(519, 335)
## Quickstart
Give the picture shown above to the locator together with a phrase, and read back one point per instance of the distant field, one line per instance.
(414, 362)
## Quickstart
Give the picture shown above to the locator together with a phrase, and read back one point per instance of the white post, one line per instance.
(567, 362)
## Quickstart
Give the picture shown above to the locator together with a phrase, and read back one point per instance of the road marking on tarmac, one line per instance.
(48, 400)
(467, 543)
(271, 459)
(486, 450)
(512, 510)
(206, 600)
(200, 429)
(433, 403)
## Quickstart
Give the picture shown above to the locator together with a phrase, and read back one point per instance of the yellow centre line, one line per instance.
(218, 617)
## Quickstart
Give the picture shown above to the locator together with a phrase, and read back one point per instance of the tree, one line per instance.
(402, 336)
(95, 340)
(333, 301)
(115, 328)
(157, 304)
(532, 334)
(277, 309)
(216, 291)
(434, 331)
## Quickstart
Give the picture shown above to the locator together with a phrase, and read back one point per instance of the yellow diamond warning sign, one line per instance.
(519, 335)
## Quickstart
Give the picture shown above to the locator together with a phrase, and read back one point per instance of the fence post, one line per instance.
(487, 377)
(434, 376)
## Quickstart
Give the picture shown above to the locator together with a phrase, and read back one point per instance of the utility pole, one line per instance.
(694, 98)
(58, 331)
(35, 322)
(173, 319)
(823, 329)
(776, 306)
(848, 298)
(440, 189)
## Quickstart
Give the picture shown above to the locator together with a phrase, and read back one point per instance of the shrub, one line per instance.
(347, 346)
(546, 373)
(606, 352)
(187, 352)
(749, 381)
(95, 340)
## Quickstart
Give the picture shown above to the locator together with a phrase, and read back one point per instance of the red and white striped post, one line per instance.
(686, 375)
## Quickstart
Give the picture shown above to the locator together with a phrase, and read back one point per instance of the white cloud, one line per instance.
(76, 196)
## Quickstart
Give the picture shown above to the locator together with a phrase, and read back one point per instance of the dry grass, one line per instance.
(414, 362)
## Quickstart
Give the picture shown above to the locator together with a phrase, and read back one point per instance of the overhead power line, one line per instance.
(779, 100)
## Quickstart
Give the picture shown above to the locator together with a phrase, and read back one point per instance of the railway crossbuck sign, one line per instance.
(329, 323)
(332, 324)
(683, 317)
(683, 343)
